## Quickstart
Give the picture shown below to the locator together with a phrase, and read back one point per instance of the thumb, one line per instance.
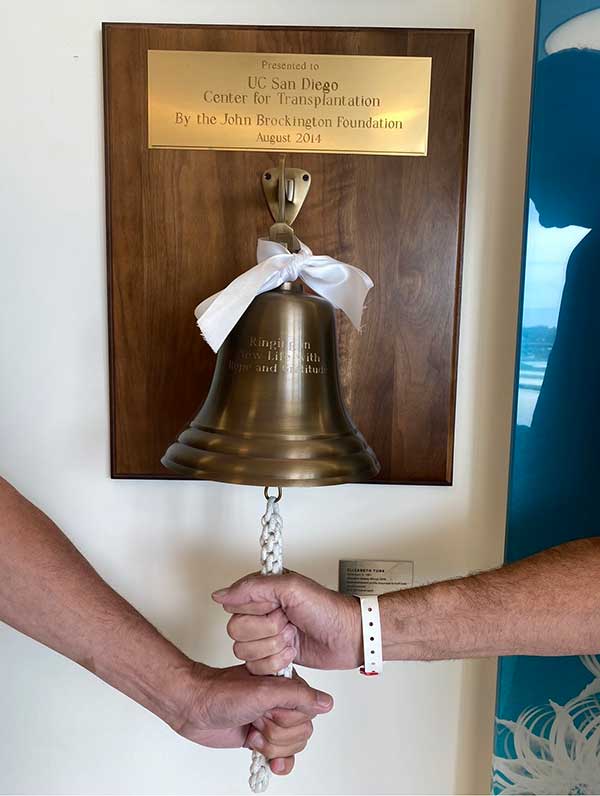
(254, 594)
(280, 692)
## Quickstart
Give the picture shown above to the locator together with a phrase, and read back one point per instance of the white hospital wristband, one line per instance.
(371, 633)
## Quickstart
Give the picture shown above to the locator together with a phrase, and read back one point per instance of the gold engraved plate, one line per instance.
(283, 102)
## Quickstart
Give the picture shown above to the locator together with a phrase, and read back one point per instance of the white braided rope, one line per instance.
(271, 558)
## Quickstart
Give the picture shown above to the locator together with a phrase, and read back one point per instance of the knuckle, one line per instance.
(275, 644)
(244, 584)
(278, 661)
(275, 716)
(293, 580)
(269, 666)
(238, 651)
(272, 733)
(296, 586)
(233, 628)
(277, 621)
(289, 633)
(270, 750)
(289, 655)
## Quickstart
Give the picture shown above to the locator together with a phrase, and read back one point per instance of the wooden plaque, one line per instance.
(182, 223)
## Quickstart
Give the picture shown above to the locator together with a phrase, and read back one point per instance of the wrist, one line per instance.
(179, 690)
(187, 693)
(391, 610)
(356, 649)
(137, 660)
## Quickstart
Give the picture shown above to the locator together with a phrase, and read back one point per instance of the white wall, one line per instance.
(422, 728)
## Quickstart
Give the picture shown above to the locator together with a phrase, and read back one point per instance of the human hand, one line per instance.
(228, 708)
(63, 603)
(285, 618)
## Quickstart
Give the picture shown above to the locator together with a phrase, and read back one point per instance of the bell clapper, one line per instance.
(285, 193)
(271, 563)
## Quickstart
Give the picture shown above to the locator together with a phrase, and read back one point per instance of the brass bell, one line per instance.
(274, 414)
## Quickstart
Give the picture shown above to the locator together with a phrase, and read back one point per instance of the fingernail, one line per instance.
(219, 593)
(277, 765)
(324, 700)
(255, 740)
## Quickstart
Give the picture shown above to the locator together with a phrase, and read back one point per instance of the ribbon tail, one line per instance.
(347, 293)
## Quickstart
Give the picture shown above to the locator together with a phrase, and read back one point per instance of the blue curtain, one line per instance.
(548, 709)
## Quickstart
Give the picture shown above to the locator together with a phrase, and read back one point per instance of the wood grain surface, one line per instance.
(181, 224)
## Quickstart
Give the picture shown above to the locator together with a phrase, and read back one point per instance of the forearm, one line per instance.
(51, 593)
(548, 604)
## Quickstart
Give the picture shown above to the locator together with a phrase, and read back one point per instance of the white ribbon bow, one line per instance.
(345, 286)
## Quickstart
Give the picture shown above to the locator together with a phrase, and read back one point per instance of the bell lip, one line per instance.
(198, 437)
(365, 474)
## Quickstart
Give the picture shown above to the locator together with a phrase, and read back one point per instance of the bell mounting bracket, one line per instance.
(285, 191)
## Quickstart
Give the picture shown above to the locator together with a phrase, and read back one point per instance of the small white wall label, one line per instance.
(374, 577)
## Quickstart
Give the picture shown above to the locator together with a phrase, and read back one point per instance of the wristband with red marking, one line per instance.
(371, 633)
